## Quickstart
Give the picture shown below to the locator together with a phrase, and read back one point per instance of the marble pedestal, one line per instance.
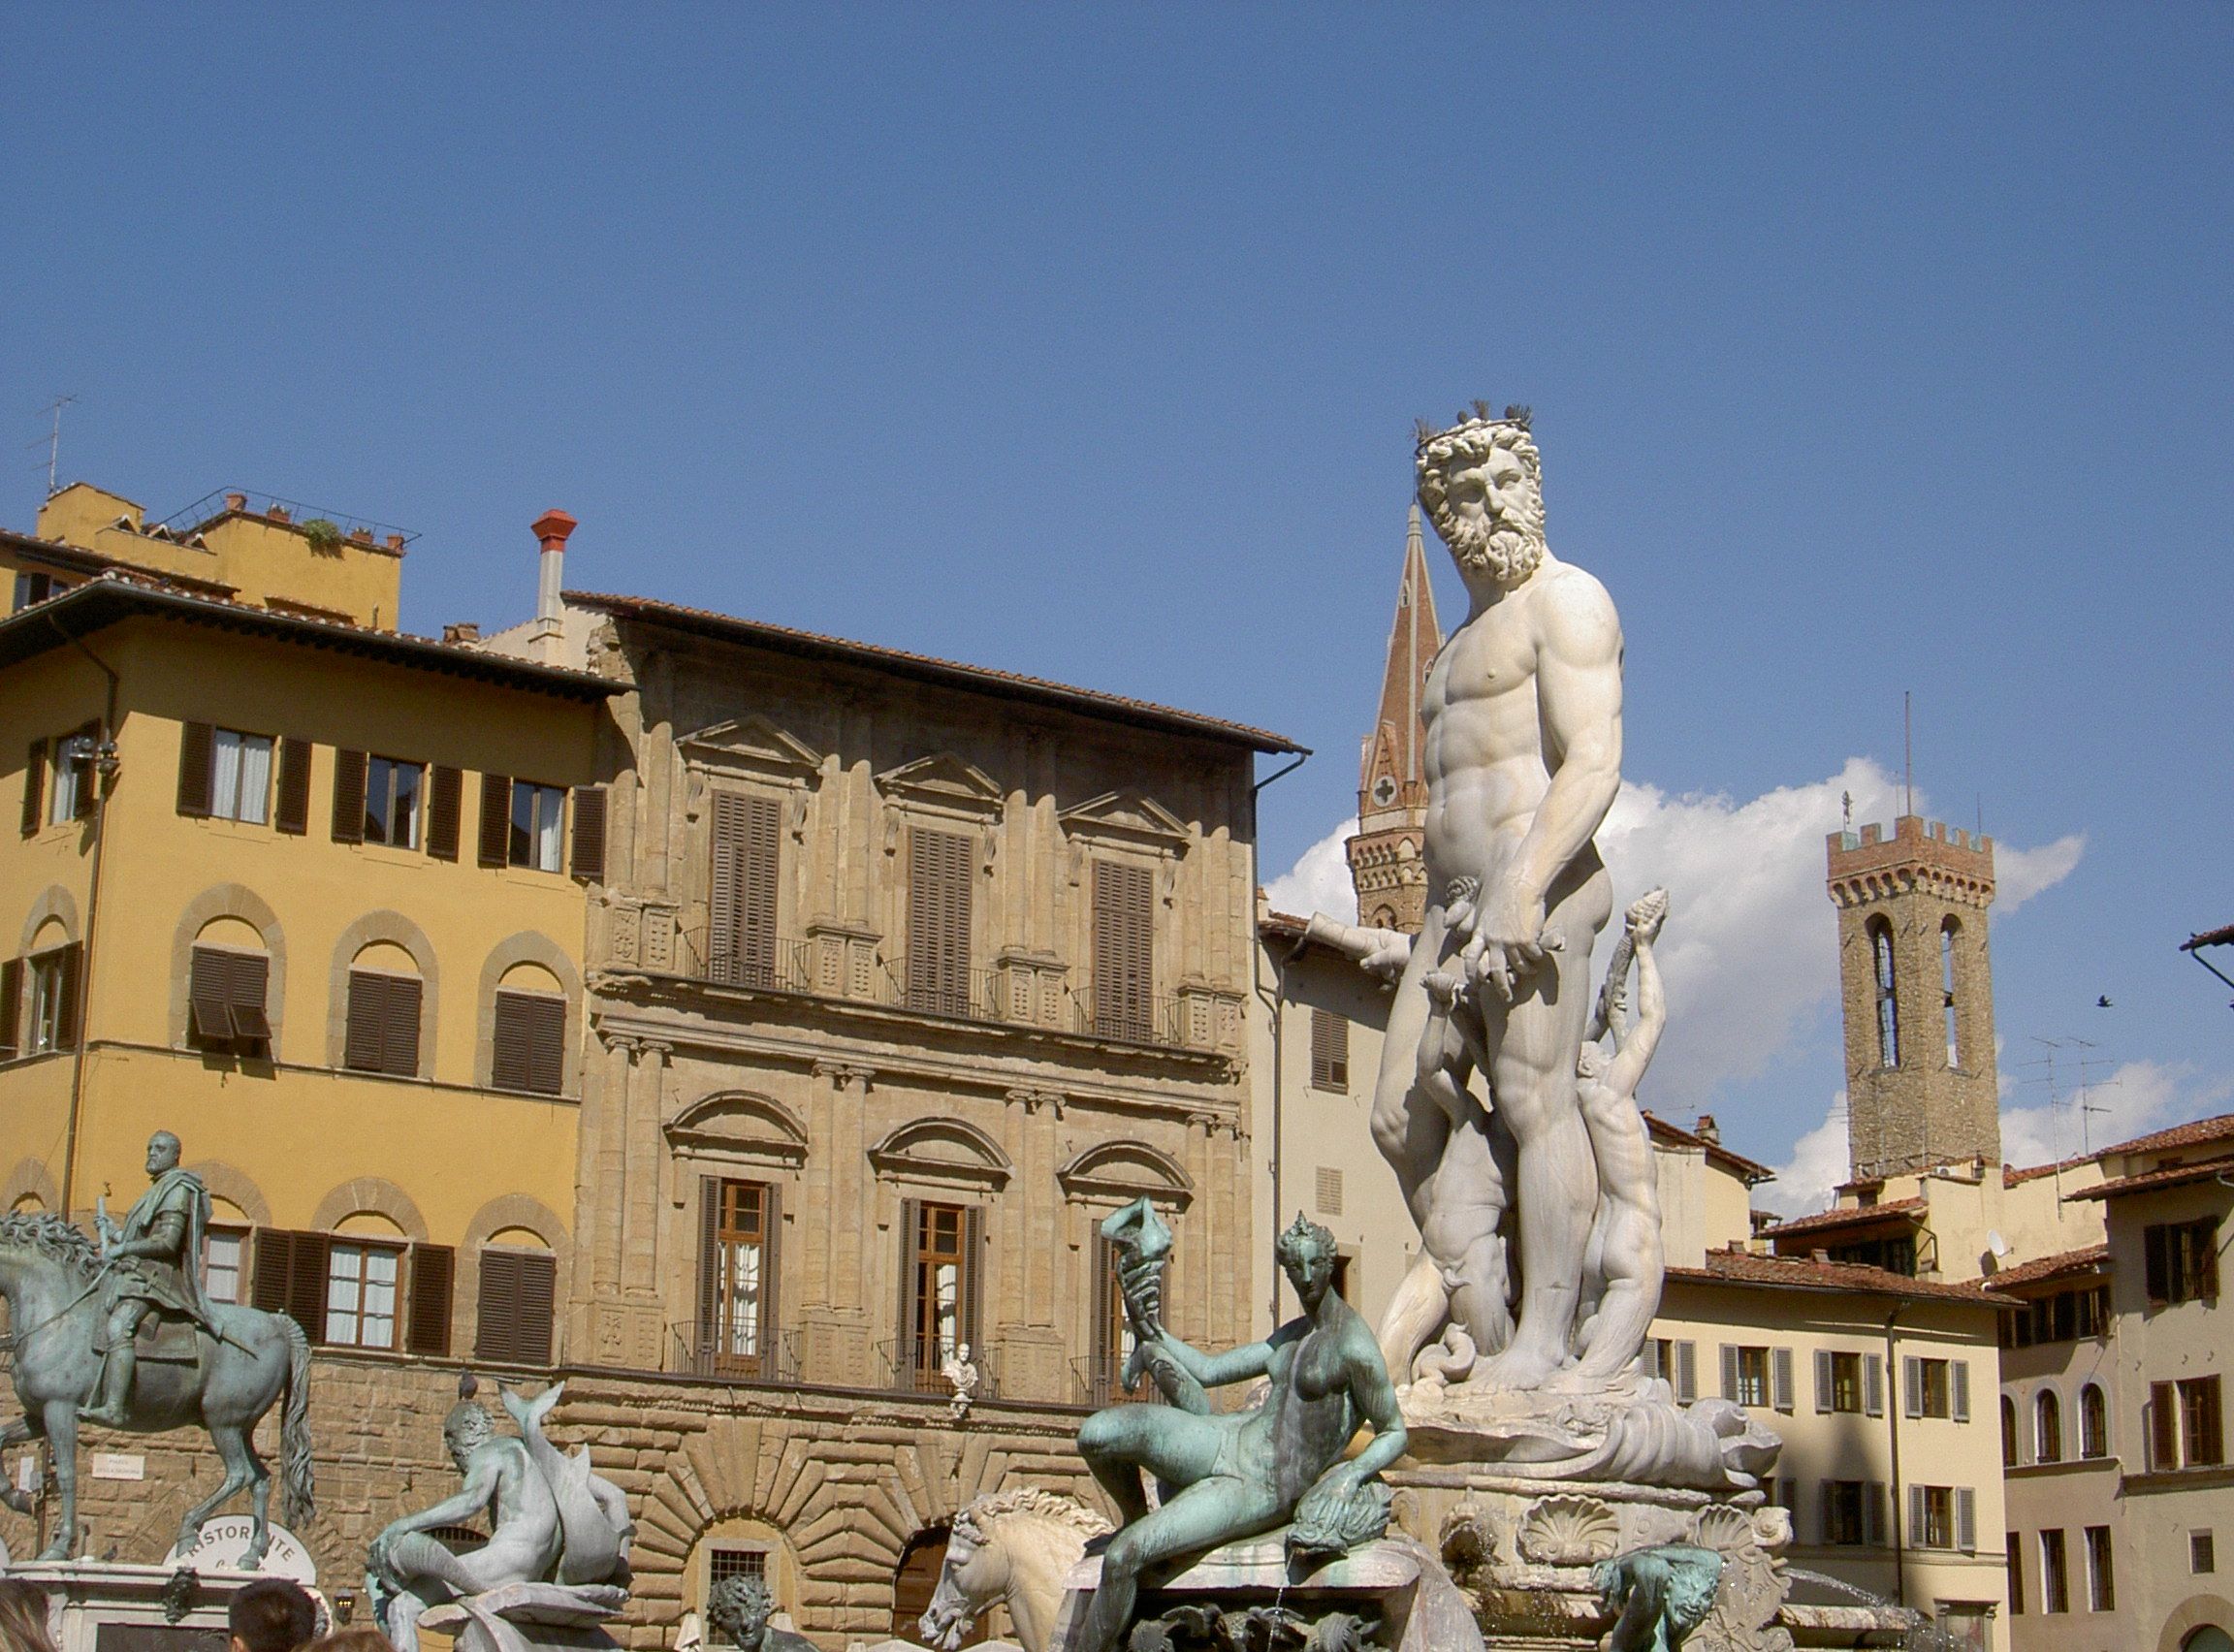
(1397, 1596)
(106, 1606)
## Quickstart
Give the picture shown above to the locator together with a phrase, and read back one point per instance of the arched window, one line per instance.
(1888, 996)
(529, 1031)
(2094, 1422)
(1948, 932)
(385, 993)
(2047, 1428)
(2008, 1432)
(230, 974)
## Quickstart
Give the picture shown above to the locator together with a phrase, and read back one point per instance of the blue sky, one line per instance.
(1872, 348)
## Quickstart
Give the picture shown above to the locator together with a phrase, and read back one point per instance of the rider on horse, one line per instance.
(154, 1265)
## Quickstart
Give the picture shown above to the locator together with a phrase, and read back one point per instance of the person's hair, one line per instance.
(23, 1616)
(271, 1615)
(351, 1641)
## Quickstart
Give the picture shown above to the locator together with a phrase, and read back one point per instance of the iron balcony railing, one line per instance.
(901, 1365)
(994, 998)
(707, 1350)
(1098, 1382)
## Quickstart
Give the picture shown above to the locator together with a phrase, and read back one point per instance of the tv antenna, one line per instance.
(2088, 1067)
(53, 439)
(1907, 752)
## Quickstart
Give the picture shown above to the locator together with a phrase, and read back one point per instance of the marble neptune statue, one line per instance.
(1235, 1475)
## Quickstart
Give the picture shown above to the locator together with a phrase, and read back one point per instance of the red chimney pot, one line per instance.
(552, 528)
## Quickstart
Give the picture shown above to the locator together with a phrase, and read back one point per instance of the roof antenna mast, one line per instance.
(1907, 752)
(54, 441)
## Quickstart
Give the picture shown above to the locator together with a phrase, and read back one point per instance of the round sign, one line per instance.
(224, 1542)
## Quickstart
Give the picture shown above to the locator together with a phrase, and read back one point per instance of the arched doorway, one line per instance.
(916, 1579)
(2210, 1638)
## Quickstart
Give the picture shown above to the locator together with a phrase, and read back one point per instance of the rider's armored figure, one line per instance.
(154, 1266)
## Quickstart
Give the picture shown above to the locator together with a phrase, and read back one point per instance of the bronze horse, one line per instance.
(51, 1274)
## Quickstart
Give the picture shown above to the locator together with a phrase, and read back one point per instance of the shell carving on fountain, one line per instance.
(1751, 1589)
(1569, 1531)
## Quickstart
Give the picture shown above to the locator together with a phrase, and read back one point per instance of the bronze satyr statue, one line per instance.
(738, 1611)
(1226, 1477)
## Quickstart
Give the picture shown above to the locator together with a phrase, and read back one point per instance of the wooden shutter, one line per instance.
(1874, 1383)
(69, 968)
(400, 1027)
(1874, 1514)
(249, 979)
(589, 833)
(1917, 1521)
(528, 1043)
(1329, 1051)
(1824, 1382)
(2206, 1233)
(432, 1267)
(1686, 1371)
(709, 1268)
(1728, 1371)
(770, 1275)
(2164, 1427)
(10, 1007)
(1912, 1385)
(361, 1044)
(538, 1308)
(1124, 950)
(1959, 1390)
(939, 900)
(34, 785)
(495, 820)
(2209, 1444)
(910, 1240)
(290, 1278)
(741, 891)
(1780, 1383)
(194, 753)
(2157, 1250)
(444, 803)
(349, 796)
(497, 1313)
(1966, 1518)
(291, 814)
(972, 1279)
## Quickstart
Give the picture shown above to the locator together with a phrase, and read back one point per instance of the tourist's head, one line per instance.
(162, 1153)
(270, 1616)
(466, 1429)
(23, 1617)
(1481, 485)
(1306, 1251)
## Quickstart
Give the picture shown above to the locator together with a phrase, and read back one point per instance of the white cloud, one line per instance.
(2139, 1096)
(2018, 875)
(1817, 1167)
(1750, 953)
(1320, 879)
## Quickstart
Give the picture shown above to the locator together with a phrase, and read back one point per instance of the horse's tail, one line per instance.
(296, 1484)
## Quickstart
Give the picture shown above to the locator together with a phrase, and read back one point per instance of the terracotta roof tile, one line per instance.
(983, 678)
(2195, 1133)
(2052, 1268)
(2172, 1176)
(2016, 1176)
(2208, 937)
(1732, 1267)
(1752, 1169)
(1846, 1216)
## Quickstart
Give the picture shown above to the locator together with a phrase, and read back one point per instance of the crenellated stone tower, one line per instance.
(1917, 987)
(1386, 867)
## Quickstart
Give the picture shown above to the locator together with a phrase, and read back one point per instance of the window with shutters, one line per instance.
(239, 777)
(1845, 1373)
(941, 1301)
(1124, 950)
(742, 889)
(52, 983)
(1326, 1191)
(383, 1023)
(445, 802)
(361, 1302)
(736, 1291)
(291, 808)
(538, 826)
(1932, 1513)
(528, 1043)
(2054, 1573)
(2202, 1442)
(1931, 1388)
(1745, 1375)
(2181, 1260)
(224, 1253)
(939, 907)
(1676, 1363)
(1329, 1051)
(225, 1001)
(392, 793)
(70, 795)
(517, 1302)
(1113, 1338)
(1843, 1521)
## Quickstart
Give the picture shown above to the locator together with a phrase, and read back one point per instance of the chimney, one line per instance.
(548, 633)
(1708, 1129)
(235, 501)
(396, 542)
(463, 631)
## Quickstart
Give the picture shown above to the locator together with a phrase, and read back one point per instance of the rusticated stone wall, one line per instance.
(845, 1478)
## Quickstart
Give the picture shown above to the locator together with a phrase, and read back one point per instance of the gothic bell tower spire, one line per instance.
(1385, 864)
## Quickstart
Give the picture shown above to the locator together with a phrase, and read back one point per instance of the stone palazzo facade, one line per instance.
(901, 976)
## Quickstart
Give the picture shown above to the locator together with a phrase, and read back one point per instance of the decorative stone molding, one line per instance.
(843, 957)
(1032, 986)
(844, 1074)
(233, 1186)
(53, 903)
(944, 783)
(396, 930)
(1124, 1170)
(1126, 819)
(641, 935)
(1032, 1100)
(751, 747)
(30, 1180)
(375, 1194)
(945, 1150)
(526, 948)
(228, 900)
(740, 1123)
(1569, 1531)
